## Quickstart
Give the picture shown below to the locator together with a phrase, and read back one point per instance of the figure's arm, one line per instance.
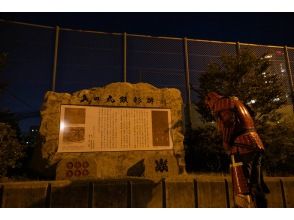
(228, 122)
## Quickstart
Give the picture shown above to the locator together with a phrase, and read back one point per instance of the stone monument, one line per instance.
(117, 131)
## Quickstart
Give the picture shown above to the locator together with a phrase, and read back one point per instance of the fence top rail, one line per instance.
(137, 35)
(260, 45)
(26, 24)
(211, 41)
(90, 31)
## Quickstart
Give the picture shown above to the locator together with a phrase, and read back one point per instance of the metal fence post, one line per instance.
(55, 58)
(125, 58)
(290, 78)
(188, 90)
(238, 50)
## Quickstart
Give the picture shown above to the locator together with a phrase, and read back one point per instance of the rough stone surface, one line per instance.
(180, 194)
(74, 168)
(275, 197)
(135, 192)
(146, 194)
(117, 164)
(211, 194)
(24, 195)
(289, 191)
(65, 194)
(111, 194)
(230, 192)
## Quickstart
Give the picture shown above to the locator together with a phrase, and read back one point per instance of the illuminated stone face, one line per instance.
(96, 128)
(127, 129)
(77, 168)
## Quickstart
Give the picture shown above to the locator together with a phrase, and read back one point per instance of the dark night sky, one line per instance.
(260, 28)
(28, 72)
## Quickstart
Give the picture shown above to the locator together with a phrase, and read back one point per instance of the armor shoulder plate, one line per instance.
(223, 104)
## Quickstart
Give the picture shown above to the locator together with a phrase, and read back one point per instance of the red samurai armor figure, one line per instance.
(245, 147)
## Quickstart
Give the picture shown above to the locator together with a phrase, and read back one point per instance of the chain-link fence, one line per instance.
(278, 60)
(88, 60)
(28, 69)
(157, 61)
(42, 58)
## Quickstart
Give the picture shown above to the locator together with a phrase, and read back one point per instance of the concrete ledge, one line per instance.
(180, 194)
(229, 191)
(211, 194)
(288, 186)
(65, 194)
(190, 192)
(111, 194)
(275, 197)
(147, 194)
(24, 195)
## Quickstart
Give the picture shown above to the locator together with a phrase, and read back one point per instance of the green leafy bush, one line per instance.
(11, 150)
(255, 82)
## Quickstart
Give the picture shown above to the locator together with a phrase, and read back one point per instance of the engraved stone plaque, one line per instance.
(124, 129)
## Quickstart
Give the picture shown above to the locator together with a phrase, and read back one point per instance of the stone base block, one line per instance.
(151, 165)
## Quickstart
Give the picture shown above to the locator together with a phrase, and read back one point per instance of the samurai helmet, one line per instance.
(211, 98)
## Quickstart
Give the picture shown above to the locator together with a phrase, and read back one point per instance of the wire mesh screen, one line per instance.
(276, 56)
(28, 69)
(201, 54)
(88, 60)
(157, 61)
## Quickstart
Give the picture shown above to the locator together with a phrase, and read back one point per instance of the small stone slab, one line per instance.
(110, 194)
(67, 194)
(289, 191)
(275, 197)
(211, 194)
(229, 191)
(24, 195)
(146, 194)
(180, 194)
(1, 193)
